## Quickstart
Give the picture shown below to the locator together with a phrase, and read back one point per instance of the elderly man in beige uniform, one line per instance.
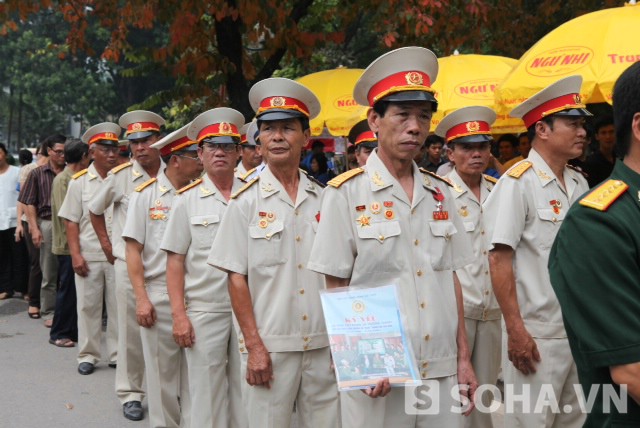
(198, 293)
(149, 211)
(142, 130)
(94, 275)
(527, 207)
(391, 223)
(467, 132)
(251, 164)
(263, 243)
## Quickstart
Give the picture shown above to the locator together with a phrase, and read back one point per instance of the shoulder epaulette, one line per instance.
(434, 175)
(344, 177)
(313, 179)
(604, 195)
(119, 168)
(80, 173)
(141, 187)
(247, 174)
(189, 186)
(517, 170)
(490, 178)
(245, 187)
(578, 170)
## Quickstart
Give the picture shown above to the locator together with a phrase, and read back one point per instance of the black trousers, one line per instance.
(65, 317)
(14, 268)
(35, 274)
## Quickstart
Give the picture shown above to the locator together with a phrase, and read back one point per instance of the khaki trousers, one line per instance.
(130, 369)
(213, 364)
(92, 291)
(484, 339)
(304, 378)
(558, 373)
(165, 367)
(49, 267)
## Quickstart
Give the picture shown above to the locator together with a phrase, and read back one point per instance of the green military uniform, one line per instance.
(595, 271)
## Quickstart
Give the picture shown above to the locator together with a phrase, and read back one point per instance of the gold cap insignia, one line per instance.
(225, 128)
(473, 126)
(277, 102)
(577, 99)
(136, 126)
(109, 135)
(413, 78)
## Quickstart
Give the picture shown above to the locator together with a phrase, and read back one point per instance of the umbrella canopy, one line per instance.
(599, 46)
(334, 89)
(470, 80)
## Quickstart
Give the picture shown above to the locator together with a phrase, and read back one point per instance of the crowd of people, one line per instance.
(205, 251)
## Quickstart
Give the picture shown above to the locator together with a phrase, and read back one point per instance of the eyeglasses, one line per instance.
(213, 147)
(58, 152)
(108, 149)
(195, 158)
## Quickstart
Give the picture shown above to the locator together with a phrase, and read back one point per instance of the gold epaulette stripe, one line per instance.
(518, 169)
(434, 175)
(245, 187)
(604, 195)
(344, 177)
(141, 187)
(117, 169)
(247, 174)
(189, 186)
(490, 178)
(80, 173)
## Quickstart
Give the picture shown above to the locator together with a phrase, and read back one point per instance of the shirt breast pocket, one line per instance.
(203, 229)
(440, 251)
(380, 232)
(549, 224)
(469, 226)
(266, 243)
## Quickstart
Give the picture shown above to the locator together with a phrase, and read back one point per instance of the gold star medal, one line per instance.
(364, 220)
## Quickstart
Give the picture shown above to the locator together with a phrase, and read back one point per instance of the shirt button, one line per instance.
(302, 291)
(482, 232)
(205, 223)
(381, 237)
(241, 349)
(306, 338)
(306, 347)
(423, 305)
(423, 374)
(427, 337)
(486, 292)
(413, 211)
(296, 212)
(416, 242)
(300, 266)
(419, 272)
(241, 340)
(298, 238)
(268, 235)
(486, 272)
(304, 318)
(425, 365)
(554, 219)
(484, 252)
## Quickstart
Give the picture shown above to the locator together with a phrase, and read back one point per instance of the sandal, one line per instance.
(33, 315)
(62, 343)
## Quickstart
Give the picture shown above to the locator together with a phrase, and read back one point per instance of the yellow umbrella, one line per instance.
(599, 46)
(470, 80)
(334, 89)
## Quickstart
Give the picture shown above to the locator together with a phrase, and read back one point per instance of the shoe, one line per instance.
(113, 365)
(48, 323)
(85, 368)
(33, 315)
(62, 343)
(133, 410)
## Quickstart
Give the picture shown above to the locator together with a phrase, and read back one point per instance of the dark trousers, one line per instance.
(65, 317)
(35, 274)
(14, 269)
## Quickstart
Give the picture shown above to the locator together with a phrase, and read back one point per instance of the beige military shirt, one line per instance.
(82, 188)
(267, 237)
(526, 213)
(194, 223)
(371, 233)
(147, 217)
(116, 190)
(479, 301)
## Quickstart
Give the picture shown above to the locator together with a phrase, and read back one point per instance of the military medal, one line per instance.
(388, 204)
(375, 208)
(361, 208)
(463, 211)
(263, 223)
(556, 204)
(439, 213)
(389, 214)
(318, 216)
(364, 220)
(270, 217)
